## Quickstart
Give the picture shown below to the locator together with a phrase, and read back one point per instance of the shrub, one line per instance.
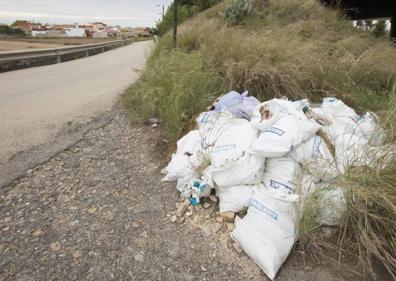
(238, 10)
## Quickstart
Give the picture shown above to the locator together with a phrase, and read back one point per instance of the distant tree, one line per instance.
(11, 32)
(360, 24)
(368, 24)
(380, 28)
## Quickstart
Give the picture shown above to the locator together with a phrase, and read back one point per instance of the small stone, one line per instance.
(219, 219)
(76, 254)
(174, 219)
(92, 210)
(182, 220)
(237, 248)
(182, 208)
(6, 229)
(55, 246)
(206, 205)
(37, 232)
(230, 226)
(154, 126)
(138, 257)
(7, 219)
(75, 222)
(207, 216)
(228, 216)
(216, 227)
(153, 121)
(213, 198)
(135, 225)
(189, 214)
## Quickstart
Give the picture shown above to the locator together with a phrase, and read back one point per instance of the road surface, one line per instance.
(45, 109)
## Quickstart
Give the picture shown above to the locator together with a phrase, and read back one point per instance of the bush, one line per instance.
(238, 10)
(14, 32)
(380, 28)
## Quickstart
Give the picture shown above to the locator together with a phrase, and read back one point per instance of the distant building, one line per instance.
(62, 26)
(100, 34)
(127, 32)
(75, 32)
(28, 25)
(39, 33)
(98, 25)
(142, 31)
(114, 32)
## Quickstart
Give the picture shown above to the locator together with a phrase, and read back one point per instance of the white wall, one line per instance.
(75, 32)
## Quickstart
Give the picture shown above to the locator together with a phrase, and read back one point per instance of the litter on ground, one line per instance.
(269, 157)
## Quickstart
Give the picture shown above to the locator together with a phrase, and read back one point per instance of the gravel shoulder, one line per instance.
(98, 211)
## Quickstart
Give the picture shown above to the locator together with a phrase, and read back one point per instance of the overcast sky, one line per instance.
(113, 12)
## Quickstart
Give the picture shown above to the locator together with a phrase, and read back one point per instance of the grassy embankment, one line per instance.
(292, 48)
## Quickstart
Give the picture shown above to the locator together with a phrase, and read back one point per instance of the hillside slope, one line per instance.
(293, 48)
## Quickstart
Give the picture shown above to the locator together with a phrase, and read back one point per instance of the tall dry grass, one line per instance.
(297, 49)
(174, 86)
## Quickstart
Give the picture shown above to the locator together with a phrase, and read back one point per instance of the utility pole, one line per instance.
(393, 27)
(174, 24)
(163, 10)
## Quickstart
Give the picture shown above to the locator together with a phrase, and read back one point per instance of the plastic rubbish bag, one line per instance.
(271, 111)
(198, 189)
(181, 162)
(249, 169)
(232, 143)
(343, 119)
(240, 105)
(268, 232)
(338, 109)
(235, 198)
(184, 186)
(306, 185)
(368, 128)
(316, 158)
(281, 137)
(211, 126)
(351, 151)
(281, 174)
(332, 205)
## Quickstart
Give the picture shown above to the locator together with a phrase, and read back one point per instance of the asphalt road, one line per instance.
(43, 110)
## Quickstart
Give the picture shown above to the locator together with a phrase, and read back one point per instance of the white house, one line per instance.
(75, 32)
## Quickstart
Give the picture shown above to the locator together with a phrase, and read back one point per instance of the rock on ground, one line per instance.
(98, 211)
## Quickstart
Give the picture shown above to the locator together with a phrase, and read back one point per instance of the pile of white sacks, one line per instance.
(269, 157)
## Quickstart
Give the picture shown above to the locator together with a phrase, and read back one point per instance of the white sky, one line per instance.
(112, 12)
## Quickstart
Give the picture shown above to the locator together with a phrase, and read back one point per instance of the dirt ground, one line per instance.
(20, 44)
(98, 211)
